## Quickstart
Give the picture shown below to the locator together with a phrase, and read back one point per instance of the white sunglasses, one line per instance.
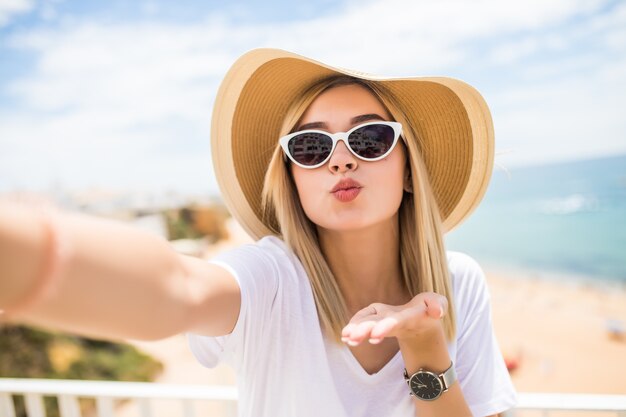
(370, 141)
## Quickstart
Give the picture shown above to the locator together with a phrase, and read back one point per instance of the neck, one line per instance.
(366, 264)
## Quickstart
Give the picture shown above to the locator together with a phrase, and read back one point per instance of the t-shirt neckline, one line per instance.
(358, 369)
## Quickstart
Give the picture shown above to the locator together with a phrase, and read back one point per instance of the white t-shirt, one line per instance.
(286, 367)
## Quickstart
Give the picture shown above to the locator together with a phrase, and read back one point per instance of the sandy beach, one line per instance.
(557, 332)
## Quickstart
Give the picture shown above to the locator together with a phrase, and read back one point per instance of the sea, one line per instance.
(559, 220)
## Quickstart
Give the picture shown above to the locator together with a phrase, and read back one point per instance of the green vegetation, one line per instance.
(27, 352)
(197, 221)
(180, 226)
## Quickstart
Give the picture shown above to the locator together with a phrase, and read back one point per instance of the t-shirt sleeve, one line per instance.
(480, 367)
(255, 271)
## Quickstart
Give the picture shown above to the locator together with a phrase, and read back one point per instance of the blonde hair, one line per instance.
(422, 252)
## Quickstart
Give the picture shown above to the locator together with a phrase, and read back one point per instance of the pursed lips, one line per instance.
(346, 184)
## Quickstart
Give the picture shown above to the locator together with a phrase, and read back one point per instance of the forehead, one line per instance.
(342, 103)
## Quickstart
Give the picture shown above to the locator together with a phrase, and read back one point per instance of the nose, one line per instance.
(342, 159)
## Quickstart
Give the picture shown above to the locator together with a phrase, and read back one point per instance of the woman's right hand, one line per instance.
(119, 281)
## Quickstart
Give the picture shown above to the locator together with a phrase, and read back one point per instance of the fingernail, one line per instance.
(441, 315)
(353, 343)
(374, 341)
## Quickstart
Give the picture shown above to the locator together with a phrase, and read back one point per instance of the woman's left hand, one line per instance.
(415, 320)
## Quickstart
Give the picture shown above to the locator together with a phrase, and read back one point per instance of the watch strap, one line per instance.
(448, 377)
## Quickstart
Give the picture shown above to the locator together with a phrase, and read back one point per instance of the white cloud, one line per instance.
(12, 8)
(566, 119)
(514, 51)
(424, 36)
(121, 92)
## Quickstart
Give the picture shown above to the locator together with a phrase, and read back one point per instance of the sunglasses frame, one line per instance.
(336, 137)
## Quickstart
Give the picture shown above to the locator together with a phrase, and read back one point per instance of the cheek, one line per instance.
(389, 189)
(308, 187)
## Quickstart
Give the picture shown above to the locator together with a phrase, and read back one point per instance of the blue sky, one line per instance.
(119, 94)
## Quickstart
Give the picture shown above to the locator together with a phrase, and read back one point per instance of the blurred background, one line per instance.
(105, 108)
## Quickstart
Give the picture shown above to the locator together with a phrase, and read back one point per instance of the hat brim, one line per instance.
(450, 117)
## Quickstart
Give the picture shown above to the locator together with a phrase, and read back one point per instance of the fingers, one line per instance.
(382, 329)
(353, 333)
(375, 331)
(362, 323)
(378, 321)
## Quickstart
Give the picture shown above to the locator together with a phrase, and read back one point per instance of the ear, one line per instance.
(408, 183)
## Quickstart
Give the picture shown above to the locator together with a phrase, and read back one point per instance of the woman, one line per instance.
(347, 304)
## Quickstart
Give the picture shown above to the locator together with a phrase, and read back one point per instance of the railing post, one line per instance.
(104, 406)
(6, 405)
(145, 407)
(68, 405)
(232, 408)
(188, 408)
(34, 405)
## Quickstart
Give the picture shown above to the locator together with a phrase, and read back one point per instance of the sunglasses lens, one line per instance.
(310, 148)
(372, 141)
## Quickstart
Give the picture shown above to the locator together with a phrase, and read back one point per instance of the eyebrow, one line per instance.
(353, 121)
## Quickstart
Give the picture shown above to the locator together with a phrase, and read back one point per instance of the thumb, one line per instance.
(436, 306)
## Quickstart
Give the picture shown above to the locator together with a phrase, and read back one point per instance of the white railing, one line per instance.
(68, 392)
(105, 393)
(612, 405)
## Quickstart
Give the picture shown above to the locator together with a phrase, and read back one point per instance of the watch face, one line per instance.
(426, 385)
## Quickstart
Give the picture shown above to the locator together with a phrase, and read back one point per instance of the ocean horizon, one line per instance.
(563, 220)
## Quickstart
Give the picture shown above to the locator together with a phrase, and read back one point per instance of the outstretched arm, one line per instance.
(117, 282)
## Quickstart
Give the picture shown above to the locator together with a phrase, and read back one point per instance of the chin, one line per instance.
(348, 225)
(349, 218)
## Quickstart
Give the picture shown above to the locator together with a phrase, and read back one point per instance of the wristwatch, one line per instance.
(427, 385)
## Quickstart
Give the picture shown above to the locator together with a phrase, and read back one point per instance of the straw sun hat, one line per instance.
(451, 118)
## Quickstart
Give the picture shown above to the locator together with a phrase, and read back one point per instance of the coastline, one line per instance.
(594, 282)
